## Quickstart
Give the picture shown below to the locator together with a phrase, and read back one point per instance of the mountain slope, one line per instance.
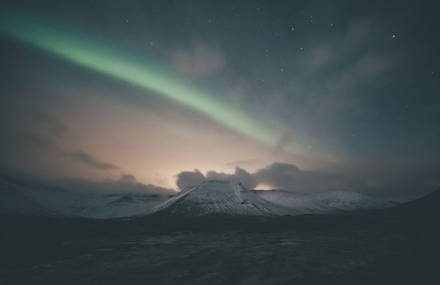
(121, 205)
(219, 197)
(33, 198)
(15, 201)
(323, 202)
(426, 208)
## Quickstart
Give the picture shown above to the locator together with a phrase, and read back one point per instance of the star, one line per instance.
(394, 36)
(292, 29)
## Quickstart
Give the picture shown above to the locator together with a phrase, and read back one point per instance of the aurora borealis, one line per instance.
(158, 88)
(135, 70)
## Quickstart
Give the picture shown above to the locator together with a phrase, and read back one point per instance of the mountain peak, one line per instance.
(218, 197)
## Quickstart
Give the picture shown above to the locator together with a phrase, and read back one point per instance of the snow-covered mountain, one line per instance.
(210, 197)
(230, 198)
(219, 197)
(323, 202)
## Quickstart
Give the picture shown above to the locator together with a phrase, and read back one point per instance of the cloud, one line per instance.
(189, 178)
(320, 56)
(192, 178)
(290, 177)
(362, 65)
(198, 60)
(278, 175)
(363, 70)
(338, 50)
(344, 67)
(127, 183)
(90, 161)
(32, 129)
(30, 136)
(240, 175)
(285, 139)
(343, 86)
(127, 178)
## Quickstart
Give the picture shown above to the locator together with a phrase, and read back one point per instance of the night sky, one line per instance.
(300, 95)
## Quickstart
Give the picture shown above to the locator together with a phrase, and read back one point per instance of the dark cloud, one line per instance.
(389, 183)
(189, 178)
(127, 183)
(285, 139)
(192, 178)
(290, 177)
(128, 178)
(240, 175)
(90, 161)
(278, 175)
(30, 136)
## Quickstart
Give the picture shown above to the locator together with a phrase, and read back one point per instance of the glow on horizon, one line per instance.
(136, 70)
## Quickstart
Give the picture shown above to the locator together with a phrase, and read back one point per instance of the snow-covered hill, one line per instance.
(219, 197)
(121, 205)
(323, 202)
(99, 205)
(38, 199)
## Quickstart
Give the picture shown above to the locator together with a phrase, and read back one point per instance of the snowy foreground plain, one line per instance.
(396, 245)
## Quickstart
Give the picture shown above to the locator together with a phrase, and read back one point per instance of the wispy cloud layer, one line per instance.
(90, 161)
(198, 59)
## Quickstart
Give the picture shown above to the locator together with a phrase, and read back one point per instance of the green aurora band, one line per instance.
(136, 70)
